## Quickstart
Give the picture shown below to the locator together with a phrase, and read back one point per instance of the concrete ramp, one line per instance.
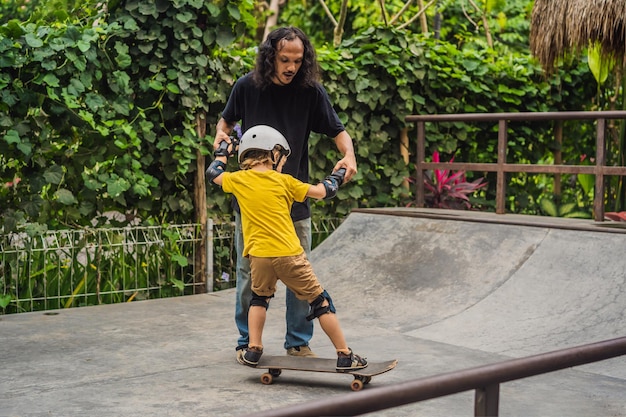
(411, 272)
(511, 289)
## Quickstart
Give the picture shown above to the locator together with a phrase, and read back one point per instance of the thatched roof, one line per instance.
(562, 26)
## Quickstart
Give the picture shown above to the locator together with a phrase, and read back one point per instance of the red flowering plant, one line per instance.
(449, 189)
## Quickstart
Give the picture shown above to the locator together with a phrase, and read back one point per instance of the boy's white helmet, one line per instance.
(264, 138)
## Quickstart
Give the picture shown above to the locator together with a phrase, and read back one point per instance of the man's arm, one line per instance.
(343, 141)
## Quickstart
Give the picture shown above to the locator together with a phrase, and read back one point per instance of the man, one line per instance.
(283, 91)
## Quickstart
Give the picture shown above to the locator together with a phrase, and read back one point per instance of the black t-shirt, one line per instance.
(293, 111)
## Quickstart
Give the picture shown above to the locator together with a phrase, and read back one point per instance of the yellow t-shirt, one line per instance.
(265, 199)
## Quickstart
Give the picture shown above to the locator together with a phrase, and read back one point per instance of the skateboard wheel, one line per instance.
(365, 379)
(356, 385)
(267, 378)
(275, 372)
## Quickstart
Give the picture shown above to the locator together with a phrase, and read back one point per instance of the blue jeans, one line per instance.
(299, 329)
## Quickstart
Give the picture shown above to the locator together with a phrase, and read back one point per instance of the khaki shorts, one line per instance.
(294, 271)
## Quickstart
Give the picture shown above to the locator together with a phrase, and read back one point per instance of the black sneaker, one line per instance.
(349, 362)
(252, 356)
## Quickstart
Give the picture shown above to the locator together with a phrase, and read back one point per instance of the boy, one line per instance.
(265, 197)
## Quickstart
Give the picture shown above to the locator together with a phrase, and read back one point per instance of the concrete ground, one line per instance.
(439, 292)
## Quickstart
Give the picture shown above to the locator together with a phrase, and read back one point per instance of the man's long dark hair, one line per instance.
(264, 71)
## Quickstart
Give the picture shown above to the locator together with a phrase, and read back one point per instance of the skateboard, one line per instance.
(276, 364)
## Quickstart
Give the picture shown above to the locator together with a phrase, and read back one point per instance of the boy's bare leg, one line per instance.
(346, 360)
(256, 322)
(330, 325)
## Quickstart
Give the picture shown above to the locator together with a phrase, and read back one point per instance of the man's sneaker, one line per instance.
(240, 350)
(302, 351)
(251, 356)
(349, 361)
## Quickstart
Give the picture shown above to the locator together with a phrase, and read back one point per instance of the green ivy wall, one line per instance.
(103, 115)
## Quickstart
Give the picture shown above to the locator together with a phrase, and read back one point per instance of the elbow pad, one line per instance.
(215, 170)
(332, 183)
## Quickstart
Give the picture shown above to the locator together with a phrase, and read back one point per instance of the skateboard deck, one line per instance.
(276, 364)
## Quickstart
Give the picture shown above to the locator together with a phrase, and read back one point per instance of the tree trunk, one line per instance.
(423, 21)
(200, 260)
(272, 18)
(483, 16)
(340, 24)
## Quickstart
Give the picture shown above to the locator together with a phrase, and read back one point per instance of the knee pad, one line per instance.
(258, 300)
(316, 309)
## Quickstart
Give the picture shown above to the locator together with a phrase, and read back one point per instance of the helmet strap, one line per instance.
(277, 162)
(277, 157)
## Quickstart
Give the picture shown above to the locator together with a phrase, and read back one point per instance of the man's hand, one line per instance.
(348, 164)
(344, 145)
(222, 133)
(223, 148)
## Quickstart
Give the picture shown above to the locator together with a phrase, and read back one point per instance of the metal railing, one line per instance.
(485, 380)
(501, 167)
(69, 268)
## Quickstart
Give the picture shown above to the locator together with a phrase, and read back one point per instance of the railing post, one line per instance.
(210, 281)
(501, 175)
(419, 172)
(487, 401)
(598, 197)
(558, 155)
